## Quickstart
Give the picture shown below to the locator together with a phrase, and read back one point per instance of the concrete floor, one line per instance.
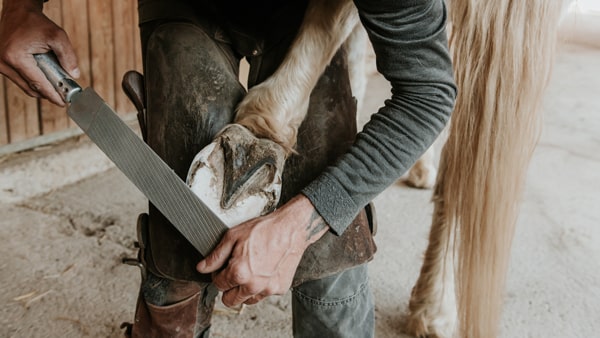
(68, 217)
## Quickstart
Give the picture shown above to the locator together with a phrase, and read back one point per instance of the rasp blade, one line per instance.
(150, 174)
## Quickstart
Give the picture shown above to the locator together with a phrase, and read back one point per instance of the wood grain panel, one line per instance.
(102, 49)
(137, 43)
(123, 20)
(22, 110)
(75, 23)
(3, 117)
(20, 113)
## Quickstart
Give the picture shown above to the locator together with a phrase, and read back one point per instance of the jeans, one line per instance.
(334, 307)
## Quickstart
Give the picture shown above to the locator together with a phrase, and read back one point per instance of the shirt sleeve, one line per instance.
(411, 48)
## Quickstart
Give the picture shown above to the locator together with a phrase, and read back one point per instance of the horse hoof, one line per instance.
(238, 176)
(436, 328)
(421, 176)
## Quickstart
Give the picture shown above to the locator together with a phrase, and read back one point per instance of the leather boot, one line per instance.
(168, 308)
(175, 320)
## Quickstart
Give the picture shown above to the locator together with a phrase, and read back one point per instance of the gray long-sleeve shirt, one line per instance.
(409, 39)
(411, 48)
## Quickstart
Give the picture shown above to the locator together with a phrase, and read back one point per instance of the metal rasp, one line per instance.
(150, 174)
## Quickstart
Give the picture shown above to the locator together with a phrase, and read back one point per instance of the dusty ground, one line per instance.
(68, 218)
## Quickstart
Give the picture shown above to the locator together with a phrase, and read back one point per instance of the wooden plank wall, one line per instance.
(105, 37)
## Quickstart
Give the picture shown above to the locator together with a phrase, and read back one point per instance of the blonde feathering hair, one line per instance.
(503, 54)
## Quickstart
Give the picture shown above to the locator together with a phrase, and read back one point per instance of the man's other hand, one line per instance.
(24, 31)
(259, 258)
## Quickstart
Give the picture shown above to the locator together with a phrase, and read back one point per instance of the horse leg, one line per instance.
(356, 46)
(272, 111)
(275, 108)
(432, 307)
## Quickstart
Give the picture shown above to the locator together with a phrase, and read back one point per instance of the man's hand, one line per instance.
(24, 31)
(259, 258)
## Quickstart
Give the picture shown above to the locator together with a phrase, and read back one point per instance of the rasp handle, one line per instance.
(60, 79)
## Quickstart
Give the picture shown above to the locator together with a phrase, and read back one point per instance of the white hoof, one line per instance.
(238, 176)
(437, 327)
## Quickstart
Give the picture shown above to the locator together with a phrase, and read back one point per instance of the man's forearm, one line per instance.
(412, 53)
(316, 227)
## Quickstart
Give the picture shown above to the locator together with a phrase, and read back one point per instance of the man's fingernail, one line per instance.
(75, 73)
(200, 266)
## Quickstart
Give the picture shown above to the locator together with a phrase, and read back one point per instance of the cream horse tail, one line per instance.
(503, 53)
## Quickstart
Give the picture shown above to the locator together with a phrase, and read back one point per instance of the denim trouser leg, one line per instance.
(337, 306)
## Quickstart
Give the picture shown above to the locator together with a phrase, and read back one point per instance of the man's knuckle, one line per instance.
(274, 290)
(213, 257)
(253, 288)
(35, 85)
(229, 235)
(227, 301)
(57, 34)
(240, 276)
(219, 285)
(8, 57)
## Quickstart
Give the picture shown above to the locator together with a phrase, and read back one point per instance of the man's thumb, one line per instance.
(66, 56)
(217, 258)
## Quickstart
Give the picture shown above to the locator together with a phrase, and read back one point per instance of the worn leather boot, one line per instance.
(168, 308)
(175, 320)
(177, 309)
